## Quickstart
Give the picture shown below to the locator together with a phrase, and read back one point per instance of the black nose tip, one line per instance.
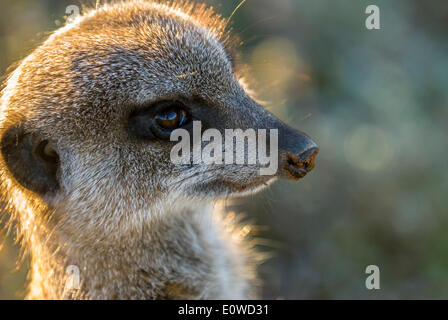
(297, 166)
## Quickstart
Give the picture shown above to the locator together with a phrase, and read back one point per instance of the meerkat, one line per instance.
(85, 166)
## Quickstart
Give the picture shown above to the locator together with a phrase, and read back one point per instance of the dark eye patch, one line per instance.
(158, 120)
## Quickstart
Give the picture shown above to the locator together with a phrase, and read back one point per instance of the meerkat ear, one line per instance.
(32, 161)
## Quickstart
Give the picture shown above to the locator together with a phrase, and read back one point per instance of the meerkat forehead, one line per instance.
(126, 54)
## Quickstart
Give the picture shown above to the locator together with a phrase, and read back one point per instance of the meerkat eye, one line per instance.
(171, 118)
(159, 120)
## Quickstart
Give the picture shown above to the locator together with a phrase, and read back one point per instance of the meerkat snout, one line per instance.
(86, 127)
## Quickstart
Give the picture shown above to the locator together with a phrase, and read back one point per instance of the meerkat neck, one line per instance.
(154, 263)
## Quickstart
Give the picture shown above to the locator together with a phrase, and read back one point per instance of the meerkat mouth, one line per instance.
(265, 181)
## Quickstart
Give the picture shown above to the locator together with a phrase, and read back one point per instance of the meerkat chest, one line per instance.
(185, 257)
(195, 259)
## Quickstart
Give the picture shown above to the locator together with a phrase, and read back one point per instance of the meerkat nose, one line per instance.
(296, 166)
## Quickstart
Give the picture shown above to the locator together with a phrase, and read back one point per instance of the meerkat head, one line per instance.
(86, 119)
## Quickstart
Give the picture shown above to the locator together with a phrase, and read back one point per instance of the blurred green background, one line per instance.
(376, 102)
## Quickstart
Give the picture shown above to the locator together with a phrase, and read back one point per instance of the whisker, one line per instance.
(234, 11)
(257, 23)
(193, 175)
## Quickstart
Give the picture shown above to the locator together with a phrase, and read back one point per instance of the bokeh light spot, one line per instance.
(276, 64)
(368, 147)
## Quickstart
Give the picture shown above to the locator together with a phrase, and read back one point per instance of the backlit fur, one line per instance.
(134, 224)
